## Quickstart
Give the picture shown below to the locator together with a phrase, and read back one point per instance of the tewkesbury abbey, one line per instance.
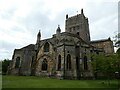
(67, 54)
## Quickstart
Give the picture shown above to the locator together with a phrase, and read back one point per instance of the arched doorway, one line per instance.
(44, 65)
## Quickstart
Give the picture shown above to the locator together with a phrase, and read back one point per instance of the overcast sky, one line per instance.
(20, 20)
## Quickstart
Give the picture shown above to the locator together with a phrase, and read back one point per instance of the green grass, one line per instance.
(39, 82)
(0, 81)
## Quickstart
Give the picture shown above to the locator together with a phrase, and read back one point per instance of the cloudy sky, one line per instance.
(20, 20)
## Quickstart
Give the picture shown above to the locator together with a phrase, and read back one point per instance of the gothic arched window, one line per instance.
(59, 62)
(77, 33)
(44, 65)
(46, 47)
(68, 62)
(17, 62)
(85, 63)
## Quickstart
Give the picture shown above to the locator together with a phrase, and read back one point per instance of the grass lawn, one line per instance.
(0, 81)
(39, 82)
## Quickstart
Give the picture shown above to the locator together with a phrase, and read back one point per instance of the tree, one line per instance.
(117, 40)
(5, 64)
(106, 65)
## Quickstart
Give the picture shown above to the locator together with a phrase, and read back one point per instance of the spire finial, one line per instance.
(39, 34)
(58, 29)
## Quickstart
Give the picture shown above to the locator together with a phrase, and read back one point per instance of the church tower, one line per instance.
(78, 25)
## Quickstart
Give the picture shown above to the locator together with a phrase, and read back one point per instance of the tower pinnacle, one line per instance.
(38, 37)
(82, 11)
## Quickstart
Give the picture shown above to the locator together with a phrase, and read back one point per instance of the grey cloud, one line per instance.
(38, 18)
(119, 16)
(8, 45)
(8, 14)
(6, 49)
(99, 10)
(101, 19)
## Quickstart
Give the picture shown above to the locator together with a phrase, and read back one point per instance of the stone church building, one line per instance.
(65, 55)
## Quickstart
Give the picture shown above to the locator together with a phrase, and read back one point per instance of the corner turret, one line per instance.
(38, 37)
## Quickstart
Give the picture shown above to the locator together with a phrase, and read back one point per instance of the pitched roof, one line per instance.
(102, 40)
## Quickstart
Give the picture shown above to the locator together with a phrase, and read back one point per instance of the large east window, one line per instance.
(46, 47)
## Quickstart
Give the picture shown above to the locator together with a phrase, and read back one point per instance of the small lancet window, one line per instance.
(59, 62)
(17, 64)
(85, 63)
(68, 62)
(32, 62)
